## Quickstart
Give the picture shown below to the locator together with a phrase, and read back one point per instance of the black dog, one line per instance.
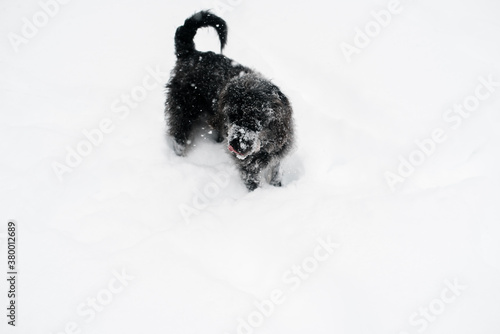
(239, 104)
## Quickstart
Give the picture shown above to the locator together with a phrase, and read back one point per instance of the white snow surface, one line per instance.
(202, 250)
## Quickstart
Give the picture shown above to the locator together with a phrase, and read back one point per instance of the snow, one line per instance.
(135, 239)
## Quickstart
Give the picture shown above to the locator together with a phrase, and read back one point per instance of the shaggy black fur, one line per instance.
(246, 110)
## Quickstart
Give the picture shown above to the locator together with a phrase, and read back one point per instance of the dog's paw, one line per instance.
(179, 148)
(252, 185)
(219, 138)
(276, 183)
(276, 175)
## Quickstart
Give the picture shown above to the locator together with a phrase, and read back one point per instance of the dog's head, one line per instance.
(248, 103)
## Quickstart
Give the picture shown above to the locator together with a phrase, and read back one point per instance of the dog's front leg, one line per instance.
(251, 176)
(218, 124)
(219, 136)
(179, 147)
(276, 175)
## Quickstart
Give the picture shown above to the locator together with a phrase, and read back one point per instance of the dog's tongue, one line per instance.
(233, 150)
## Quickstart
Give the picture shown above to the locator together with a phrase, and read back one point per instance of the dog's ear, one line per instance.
(281, 120)
(280, 131)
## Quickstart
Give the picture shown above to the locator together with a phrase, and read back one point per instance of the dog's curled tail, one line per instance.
(184, 44)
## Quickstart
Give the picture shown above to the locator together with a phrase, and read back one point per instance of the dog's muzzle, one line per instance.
(242, 142)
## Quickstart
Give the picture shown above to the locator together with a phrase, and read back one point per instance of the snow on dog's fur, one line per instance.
(249, 113)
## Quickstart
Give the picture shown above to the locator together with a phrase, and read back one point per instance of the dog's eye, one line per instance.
(256, 125)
